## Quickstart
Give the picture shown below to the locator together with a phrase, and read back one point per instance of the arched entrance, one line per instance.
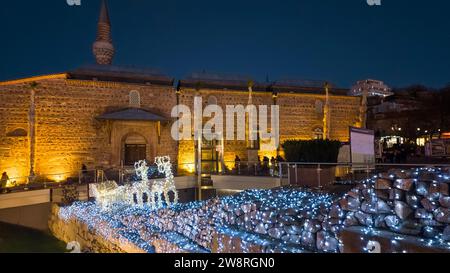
(134, 148)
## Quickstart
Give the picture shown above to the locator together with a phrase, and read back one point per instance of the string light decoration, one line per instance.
(108, 193)
(105, 193)
(411, 207)
(402, 205)
(162, 188)
(196, 224)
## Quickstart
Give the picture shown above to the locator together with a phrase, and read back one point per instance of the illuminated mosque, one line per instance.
(108, 116)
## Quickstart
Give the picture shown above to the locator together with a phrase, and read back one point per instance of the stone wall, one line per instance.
(14, 151)
(344, 112)
(89, 240)
(409, 207)
(298, 117)
(67, 133)
(402, 210)
(411, 202)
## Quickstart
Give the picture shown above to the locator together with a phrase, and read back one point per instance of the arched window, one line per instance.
(318, 133)
(19, 132)
(212, 100)
(135, 99)
(319, 107)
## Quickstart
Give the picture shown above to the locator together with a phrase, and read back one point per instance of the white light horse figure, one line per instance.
(109, 193)
(163, 187)
(142, 186)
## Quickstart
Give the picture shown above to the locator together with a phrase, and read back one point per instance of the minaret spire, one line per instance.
(103, 48)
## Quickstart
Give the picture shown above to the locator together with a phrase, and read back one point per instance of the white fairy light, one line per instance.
(108, 193)
(195, 226)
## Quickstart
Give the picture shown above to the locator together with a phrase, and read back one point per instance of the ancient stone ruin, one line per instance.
(402, 203)
(411, 202)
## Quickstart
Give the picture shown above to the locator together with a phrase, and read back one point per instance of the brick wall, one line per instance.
(67, 133)
(298, 117)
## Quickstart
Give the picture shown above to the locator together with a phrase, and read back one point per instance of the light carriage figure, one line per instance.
(109, 193)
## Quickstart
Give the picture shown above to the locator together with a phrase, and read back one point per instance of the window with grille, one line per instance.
(135, 99)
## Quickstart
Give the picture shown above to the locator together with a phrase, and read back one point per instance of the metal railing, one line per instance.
(247, 168)
(314, 175)
(52, 181)
(323, 175)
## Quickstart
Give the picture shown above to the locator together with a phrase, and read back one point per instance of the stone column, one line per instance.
(275, 102)
(326, 114)
(32, 131)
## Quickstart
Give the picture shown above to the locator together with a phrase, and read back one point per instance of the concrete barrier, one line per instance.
(232, 182)
(25, 198)
(32, 216)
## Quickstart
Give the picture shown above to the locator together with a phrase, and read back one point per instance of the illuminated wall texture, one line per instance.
(68, 135)
(298, 118)
(14, 151)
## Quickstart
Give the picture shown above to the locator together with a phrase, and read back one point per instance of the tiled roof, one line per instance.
(120, 74)
(132, 114)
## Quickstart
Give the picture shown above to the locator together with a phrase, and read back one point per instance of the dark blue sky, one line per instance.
(403, 42)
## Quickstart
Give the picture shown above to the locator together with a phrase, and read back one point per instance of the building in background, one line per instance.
(371, 87)
(412, 115)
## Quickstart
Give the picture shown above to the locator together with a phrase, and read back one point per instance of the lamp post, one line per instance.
(199, 165)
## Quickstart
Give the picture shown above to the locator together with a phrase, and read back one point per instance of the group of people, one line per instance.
(399, 154)
(265, 166)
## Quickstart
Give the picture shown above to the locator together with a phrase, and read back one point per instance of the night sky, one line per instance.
(402, 42)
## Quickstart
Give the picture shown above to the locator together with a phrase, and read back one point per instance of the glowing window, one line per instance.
(318, 133)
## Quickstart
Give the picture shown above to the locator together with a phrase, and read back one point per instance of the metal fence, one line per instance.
(323, 175)
(52, 181)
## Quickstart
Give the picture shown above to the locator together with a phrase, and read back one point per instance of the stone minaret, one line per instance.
(103, 48)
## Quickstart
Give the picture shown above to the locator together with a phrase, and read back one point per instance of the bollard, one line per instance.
(318, 176)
